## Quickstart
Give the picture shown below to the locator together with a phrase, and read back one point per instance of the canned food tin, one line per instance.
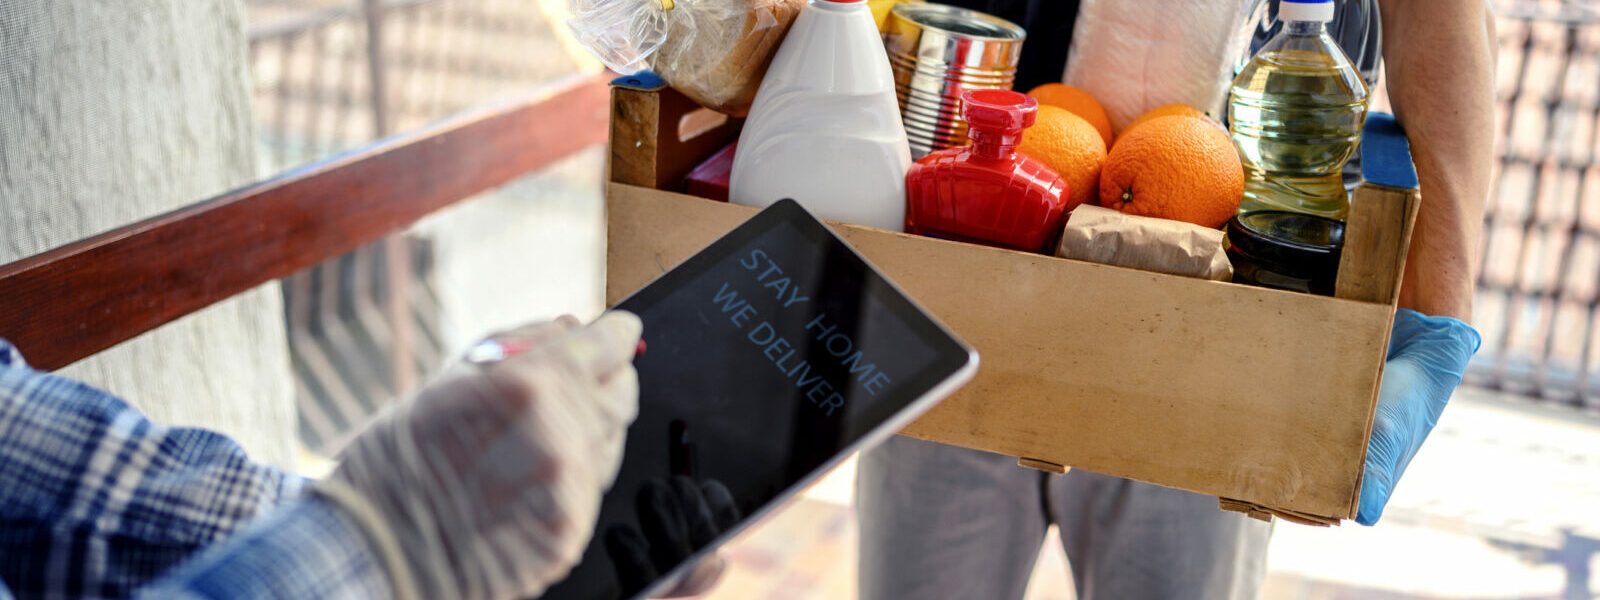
(937, 53)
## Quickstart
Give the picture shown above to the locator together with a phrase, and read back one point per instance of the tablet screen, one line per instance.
(771, 354)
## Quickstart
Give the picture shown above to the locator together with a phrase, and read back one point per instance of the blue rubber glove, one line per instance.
(1427, 356)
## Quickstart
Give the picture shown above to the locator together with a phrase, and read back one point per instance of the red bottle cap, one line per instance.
(1001, 110)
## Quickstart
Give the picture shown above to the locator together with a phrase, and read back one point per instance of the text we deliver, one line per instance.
(781, 352)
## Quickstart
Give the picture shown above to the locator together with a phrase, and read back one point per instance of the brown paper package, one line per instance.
(1106, 236)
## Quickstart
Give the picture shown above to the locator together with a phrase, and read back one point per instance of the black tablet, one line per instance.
(771, 356)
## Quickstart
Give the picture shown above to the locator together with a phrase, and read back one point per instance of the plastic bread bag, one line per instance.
(1134, 56)
(714, 51)
(1109, 237)
(623, 34)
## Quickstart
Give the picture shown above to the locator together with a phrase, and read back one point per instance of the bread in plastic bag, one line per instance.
(714, 51)
(621, 33)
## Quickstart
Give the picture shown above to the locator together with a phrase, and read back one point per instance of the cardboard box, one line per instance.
(1261, 397)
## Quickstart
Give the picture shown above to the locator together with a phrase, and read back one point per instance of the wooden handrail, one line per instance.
(68, 303)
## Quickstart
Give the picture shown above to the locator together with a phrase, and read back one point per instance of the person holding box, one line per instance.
(945, 522)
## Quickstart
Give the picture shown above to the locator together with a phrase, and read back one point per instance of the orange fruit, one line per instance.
(1174, 167)
(1166, 110)
(1070, 145)
(1079, 103)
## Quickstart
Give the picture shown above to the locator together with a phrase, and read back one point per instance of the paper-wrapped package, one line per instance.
(1103, 235)
(714, 51)
(1134, 56)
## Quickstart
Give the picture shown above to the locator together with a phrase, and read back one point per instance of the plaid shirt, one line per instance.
(96, 501)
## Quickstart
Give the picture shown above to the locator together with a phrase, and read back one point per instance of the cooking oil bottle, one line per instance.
(1296, 112)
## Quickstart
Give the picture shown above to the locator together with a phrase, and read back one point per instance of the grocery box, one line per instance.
(1263, 398)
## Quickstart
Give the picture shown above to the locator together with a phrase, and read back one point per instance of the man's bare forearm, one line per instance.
(1439, 56)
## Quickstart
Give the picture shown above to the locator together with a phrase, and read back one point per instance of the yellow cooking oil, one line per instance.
(1296, 112)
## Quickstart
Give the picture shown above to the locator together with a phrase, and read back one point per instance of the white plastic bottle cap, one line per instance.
(1320, 11)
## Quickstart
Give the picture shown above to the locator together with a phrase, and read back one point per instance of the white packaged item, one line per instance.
(1109, 237)
(825, 127)
(1134, 56)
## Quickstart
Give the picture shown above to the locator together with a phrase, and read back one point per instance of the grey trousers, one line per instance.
(944, 522)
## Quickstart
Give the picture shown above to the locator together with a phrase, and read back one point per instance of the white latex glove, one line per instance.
(487, 484)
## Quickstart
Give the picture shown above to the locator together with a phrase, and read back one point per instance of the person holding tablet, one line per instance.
(486, 484)
(774, 354)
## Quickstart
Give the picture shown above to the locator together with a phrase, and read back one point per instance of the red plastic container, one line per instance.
(987, 192)
(710, 179)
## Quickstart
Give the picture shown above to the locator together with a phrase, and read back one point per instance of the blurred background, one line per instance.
(1504, 501)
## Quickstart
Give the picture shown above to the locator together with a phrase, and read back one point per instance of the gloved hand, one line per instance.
(1427, 357)
(678, 516)
(487, 484)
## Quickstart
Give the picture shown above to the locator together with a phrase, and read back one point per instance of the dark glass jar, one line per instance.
(1285, 250)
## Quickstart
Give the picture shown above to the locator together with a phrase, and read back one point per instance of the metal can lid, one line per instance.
(959, 22)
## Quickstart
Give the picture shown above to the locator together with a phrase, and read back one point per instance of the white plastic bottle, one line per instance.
(825, 128)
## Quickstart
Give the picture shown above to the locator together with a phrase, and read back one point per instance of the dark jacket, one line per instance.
(1049, 25)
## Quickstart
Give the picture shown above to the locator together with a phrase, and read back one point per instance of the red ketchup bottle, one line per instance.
(987, 192)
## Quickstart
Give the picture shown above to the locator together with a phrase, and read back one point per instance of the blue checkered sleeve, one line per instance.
(307, 550)
(96, 501)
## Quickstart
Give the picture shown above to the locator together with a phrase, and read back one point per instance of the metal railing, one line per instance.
(333, 75)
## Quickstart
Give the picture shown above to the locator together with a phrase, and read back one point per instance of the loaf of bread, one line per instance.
(717, 51)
